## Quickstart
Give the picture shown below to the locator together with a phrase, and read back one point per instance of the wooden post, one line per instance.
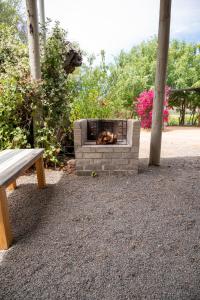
(160, 80)
(5, 231)
(40, 173)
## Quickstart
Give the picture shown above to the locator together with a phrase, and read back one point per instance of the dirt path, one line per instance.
(176, 142)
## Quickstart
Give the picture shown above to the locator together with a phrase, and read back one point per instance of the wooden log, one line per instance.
(162, 57)
(5, 231)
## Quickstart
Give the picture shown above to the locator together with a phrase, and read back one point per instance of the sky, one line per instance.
(113, 25)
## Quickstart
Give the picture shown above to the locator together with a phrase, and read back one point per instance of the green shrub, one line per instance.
(20, 98)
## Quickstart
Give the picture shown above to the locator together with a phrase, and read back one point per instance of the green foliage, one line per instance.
(90, 91)
(13, 53)
(56, 95)
(183, 65)
(20, 98)
(107, 91)
(12, 14)
(15, 90)
(185, 101)
(132, 73)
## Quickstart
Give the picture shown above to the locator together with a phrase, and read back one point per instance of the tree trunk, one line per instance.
(33, 39)
(42, 21)
(162, 56)
(34, 55)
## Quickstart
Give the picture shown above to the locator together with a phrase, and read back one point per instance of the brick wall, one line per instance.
(109, 159)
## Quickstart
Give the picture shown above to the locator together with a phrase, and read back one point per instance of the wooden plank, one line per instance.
(40, 173)
(18, 162)
(5, 231)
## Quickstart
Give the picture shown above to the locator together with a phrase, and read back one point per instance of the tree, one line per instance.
(132, 73)
(12, 14)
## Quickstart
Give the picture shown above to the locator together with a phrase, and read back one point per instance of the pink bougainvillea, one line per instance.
(144, 107)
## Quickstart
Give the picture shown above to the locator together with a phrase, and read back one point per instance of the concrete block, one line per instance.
(79, 168)
(84, 162)
(112, 155)
(77, 124)
(101, 161)
(86, 149)
(122, 149)
(128, 155)
(79, 155)
(119, 161)
(77, 141)
(133, 162)
(92, 155)
(104, 149)
(93, 167)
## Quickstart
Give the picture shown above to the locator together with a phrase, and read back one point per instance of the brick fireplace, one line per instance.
(119, 158)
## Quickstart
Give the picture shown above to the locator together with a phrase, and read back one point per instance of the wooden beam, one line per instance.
(160, 80)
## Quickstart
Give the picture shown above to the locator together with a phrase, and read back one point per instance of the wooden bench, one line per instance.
(12, 164)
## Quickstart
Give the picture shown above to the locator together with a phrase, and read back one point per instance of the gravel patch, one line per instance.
(115, 237)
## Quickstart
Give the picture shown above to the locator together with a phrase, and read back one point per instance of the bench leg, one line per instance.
(12, 186)
(5, 231)
(40, 173)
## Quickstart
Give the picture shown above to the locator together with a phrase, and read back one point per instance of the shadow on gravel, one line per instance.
(170, 162)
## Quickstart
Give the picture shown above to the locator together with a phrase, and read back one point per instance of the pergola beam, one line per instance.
(160, 80)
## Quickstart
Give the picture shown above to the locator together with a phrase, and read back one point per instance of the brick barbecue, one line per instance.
(119, 158)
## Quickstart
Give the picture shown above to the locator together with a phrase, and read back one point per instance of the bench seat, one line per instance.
(13, 163)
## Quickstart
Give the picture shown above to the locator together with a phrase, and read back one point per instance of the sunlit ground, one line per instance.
(176, 142)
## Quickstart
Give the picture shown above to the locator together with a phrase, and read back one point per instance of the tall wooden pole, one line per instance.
(160, 80)
(33, 39)
(42, 21)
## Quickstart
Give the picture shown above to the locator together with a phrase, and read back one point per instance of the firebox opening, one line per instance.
(117, 127)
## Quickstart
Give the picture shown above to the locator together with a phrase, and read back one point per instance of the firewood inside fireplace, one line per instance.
(106, 137)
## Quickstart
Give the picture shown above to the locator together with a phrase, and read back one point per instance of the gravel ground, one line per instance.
(109, 238)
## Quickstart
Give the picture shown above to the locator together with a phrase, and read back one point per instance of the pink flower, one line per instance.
(144, 107)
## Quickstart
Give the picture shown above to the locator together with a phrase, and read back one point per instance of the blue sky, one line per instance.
(113, 25)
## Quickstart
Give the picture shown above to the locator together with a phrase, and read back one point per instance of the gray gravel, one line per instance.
(106, 238)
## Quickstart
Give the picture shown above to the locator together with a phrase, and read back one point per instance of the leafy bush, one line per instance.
(91, 90)
(145, 105)
(20, 98)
